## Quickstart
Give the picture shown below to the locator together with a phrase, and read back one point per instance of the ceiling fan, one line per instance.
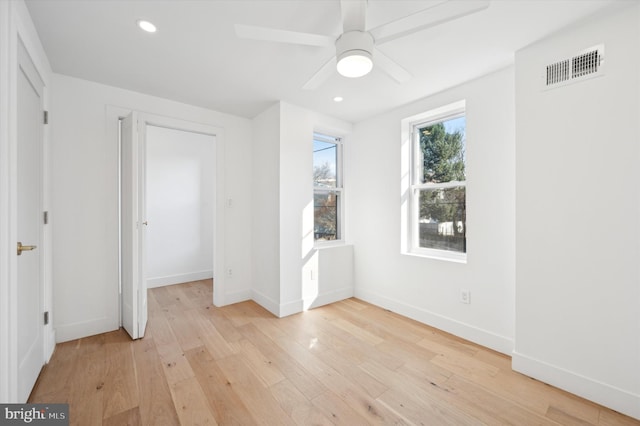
(356, 46)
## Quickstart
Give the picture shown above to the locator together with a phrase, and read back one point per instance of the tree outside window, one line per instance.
(327, 187)
(439, 188)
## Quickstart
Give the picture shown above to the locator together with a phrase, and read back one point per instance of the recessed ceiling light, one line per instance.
(146, 26)
(338, 99)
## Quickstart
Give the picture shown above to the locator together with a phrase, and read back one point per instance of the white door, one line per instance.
(29, 188)
(133, 224)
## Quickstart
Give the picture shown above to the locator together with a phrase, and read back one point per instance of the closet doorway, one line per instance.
(180, 172)
(171, 206)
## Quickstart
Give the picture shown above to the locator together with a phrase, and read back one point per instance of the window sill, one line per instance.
(329, 244)
(438, 255)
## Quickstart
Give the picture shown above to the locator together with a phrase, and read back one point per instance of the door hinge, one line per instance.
(46, 318)
(45, 218)
(46, 117)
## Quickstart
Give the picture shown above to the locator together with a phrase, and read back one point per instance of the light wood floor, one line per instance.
(349, 363)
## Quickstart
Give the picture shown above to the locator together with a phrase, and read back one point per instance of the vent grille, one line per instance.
(586, 64)
(558, 72)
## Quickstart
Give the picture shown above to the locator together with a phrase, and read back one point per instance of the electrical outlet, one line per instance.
(465, 296)
(229, 272)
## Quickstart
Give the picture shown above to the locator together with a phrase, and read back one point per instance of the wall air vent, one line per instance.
(587, 64)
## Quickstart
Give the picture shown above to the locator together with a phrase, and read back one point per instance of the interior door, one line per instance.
(133, 279)
(29, 225)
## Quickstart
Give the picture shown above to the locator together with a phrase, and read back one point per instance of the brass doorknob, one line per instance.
(22, 248)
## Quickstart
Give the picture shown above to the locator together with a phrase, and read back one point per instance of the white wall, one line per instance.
(180, 177)
(265, 222)
(283, 234)
(298, 269)
(578, 224)
(428, 289)
(15, 25)
(85, 200)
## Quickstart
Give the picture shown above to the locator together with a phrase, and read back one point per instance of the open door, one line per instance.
(132, 205)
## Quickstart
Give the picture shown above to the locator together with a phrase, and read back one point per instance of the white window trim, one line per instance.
(410, 189)
(339, 189)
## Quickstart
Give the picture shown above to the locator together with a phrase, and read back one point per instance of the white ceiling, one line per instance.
(196, 58)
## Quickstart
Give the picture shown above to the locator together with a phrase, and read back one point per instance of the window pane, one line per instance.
(325, 207)
(443, 219)
(325, 159)
(442, 151)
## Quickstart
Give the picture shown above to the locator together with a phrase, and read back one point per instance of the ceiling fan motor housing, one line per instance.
(354, 43)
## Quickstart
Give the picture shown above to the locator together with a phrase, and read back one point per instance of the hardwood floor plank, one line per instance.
(162, 296)
(613, 418)
(476, 401)
(156, 404)
(344, 342)
(366, 318)
(461, 363)
(418, 358)
(174, 363)
(288, 366)
(301, 329)
(350, 363)
(257, 398)
(208, 334)
(368, 383)
(53, 382)
(86, 390)
(423, 411)
(407, 396)
(261, 366)
(297, 406)
(130, 417)
(226, 405)
(223, 325)
(352, 393)
(191, 403)
(336, 410)
(120, 382)
(565, 404)
(184, 331)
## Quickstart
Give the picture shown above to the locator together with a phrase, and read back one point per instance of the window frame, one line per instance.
(327, 137)
(412, 126)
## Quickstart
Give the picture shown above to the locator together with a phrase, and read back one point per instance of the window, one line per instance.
(327, 187)
(438, 213)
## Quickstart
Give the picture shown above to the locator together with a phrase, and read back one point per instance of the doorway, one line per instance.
(180, 171)
(134, 222)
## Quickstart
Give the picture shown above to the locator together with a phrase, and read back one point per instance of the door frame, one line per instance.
(115, 113)
(16, 27)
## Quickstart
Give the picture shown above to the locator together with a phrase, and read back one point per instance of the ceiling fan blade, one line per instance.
(430, 17)
(321, 75)
(282, 36)
(354, 13)
(390, 67)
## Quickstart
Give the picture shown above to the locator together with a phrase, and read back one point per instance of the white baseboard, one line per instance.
(290, 308)
(67, 332)
(593, 390)
(330, 297)
(178, 278)
(237, 297)
(266, 302)
(297, 306)
(474, 334)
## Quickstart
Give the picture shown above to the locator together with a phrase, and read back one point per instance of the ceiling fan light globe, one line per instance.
(355, 63)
